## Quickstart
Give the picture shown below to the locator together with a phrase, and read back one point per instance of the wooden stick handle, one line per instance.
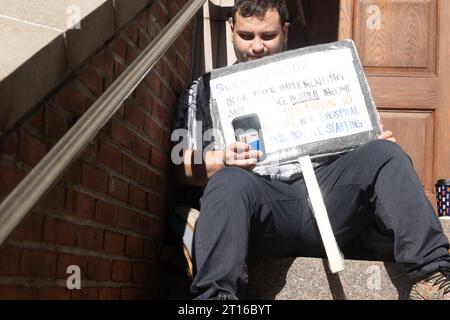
(334, 255)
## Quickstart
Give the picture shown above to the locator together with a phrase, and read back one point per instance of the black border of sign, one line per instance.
(315, 149)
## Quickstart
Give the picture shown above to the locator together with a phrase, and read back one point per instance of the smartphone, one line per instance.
(247, 129)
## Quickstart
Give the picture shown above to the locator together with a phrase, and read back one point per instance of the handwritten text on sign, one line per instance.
(299, 100)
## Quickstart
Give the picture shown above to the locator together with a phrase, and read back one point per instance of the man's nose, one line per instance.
(257, 45)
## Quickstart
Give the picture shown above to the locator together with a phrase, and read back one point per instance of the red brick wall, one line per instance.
(107, 213)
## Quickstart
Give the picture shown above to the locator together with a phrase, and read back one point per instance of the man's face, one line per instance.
(256, 37)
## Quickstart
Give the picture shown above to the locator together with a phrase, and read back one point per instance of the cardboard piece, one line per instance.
(310, 101)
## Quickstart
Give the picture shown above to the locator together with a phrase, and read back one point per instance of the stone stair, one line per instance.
(311, 279)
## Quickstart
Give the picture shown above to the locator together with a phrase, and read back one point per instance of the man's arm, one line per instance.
(196, 170)
(197, 173)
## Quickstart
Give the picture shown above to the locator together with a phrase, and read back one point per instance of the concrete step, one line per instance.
(311, 279)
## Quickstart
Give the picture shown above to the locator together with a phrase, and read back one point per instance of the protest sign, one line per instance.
(310, 101)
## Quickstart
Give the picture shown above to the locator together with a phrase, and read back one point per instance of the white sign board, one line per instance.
(308, 101)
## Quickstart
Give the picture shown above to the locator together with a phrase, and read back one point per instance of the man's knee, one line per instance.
(386, 150)
(231, 189)
(232, 180)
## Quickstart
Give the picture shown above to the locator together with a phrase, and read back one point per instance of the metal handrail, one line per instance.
(20, 201)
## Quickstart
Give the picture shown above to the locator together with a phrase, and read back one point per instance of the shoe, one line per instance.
(436, 286)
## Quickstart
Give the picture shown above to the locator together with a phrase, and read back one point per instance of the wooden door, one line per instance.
(404, 46)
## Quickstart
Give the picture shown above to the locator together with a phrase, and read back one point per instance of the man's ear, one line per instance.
(230, 22)
(285, 32)
(286, 28)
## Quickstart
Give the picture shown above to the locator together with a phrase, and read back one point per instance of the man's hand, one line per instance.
(239, 154)
(387, 135)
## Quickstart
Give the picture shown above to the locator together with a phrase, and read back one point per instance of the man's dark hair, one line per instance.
(258, 8)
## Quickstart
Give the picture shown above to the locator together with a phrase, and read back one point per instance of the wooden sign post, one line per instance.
(335, 258)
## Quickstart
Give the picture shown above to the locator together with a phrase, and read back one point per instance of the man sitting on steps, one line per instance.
(266, 212)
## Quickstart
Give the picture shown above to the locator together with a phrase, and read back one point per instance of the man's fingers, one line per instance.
(384, 135)
(245, 160)
(244, 163)
(239, 154)
(387, 135)
(239, 147)
(252, 154)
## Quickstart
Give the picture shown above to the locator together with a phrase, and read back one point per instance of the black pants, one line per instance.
(371, 193)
